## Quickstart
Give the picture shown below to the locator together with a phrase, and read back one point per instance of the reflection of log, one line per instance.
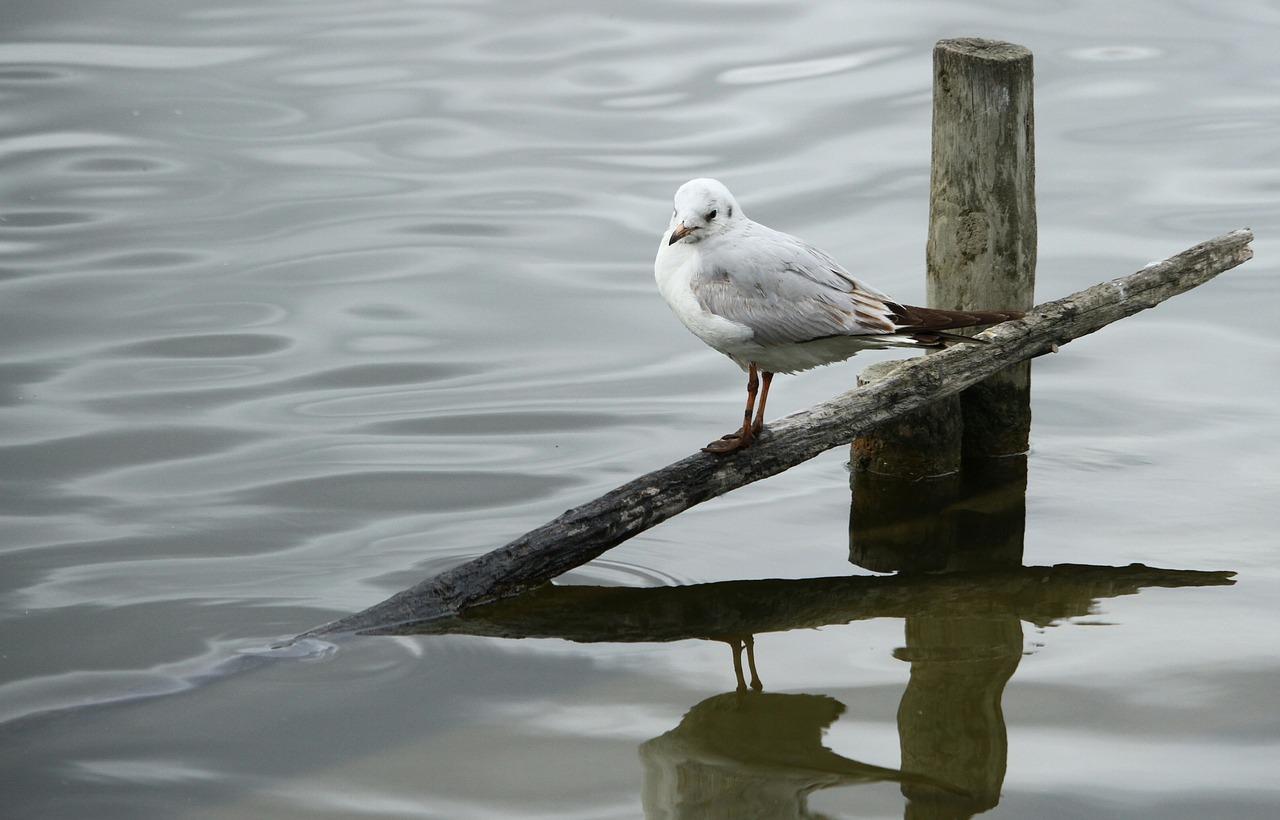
(749, 754)
(585, 532)
(723, 611)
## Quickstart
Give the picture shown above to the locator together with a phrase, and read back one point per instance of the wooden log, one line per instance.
(583, 533)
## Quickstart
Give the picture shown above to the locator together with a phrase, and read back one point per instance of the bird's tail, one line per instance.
(929, 326)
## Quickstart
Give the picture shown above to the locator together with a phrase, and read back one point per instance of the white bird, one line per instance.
(775, 304)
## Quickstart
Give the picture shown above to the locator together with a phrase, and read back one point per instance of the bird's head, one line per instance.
(704, 208)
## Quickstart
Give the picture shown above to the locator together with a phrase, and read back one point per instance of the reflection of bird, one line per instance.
(774, 304)
(749, 644)
(750, 754)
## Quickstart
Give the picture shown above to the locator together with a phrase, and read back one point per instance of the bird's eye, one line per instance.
(711, 215)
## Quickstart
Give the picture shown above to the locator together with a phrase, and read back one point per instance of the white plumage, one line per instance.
(774, 303)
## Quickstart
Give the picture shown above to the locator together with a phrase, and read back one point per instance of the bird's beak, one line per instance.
(679, 233)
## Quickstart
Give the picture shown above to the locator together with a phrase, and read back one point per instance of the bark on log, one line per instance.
(583, 533)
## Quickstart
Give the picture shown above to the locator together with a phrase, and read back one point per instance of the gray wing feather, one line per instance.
(787, 291)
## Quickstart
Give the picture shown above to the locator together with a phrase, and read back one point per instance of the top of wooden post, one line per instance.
(985, 49)
(981, 253)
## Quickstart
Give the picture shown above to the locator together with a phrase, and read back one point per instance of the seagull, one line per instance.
(775, 304)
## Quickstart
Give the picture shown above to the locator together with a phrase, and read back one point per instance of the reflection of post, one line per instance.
(973, 520)
(950, 722)
(991, 517)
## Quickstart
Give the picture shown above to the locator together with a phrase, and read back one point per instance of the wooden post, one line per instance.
(981, 251)
(980, 255)
(924, 443)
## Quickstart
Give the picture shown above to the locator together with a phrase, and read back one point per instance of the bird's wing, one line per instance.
(787, 291)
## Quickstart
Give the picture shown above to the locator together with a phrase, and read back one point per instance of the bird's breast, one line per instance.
(674, 270)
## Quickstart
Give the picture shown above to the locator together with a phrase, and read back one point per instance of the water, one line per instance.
(303, 302)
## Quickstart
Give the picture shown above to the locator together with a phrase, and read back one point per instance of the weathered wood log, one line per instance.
(585, 532)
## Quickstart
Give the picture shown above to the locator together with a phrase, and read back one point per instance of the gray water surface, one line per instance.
(301, 303)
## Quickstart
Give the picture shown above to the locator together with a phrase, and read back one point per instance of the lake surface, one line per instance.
(301, 303)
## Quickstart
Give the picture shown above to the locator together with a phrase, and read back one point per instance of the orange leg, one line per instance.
(767, 377)
(742, 438)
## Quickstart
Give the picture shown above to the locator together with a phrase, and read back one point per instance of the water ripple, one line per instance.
(409, 491)
(222, 315)
(807, 68)
(120, 55)
(81, 455)
(62, 141)
(38, 220)
(304, 301)
(208, 346)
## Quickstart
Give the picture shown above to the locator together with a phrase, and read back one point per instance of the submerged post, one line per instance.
(981, 251)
